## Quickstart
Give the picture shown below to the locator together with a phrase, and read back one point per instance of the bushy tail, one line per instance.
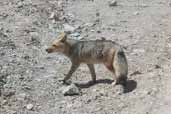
(121, 67)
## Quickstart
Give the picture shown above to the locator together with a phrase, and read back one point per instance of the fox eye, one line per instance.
(54, 45)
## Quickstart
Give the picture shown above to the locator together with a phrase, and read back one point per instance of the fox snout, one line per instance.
(49, 50)
(56, 48)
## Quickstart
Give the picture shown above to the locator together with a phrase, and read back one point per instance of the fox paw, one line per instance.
(92, 82)
(66, 82)
(114, 83)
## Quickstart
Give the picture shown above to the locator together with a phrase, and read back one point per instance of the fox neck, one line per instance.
(68, 46)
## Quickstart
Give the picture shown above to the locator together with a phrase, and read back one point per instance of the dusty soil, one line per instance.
(29, 77)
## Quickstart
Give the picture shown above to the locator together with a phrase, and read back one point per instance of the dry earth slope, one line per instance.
(29, 77)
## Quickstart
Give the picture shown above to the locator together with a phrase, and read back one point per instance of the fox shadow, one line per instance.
(129, 87)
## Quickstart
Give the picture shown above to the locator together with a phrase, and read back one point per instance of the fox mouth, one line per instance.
(49, 50)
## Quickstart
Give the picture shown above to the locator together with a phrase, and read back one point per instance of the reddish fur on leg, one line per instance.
(109, 66)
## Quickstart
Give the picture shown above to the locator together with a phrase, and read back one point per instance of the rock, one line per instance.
(52, 15)
(20, 5)
(136, 13)
(135, 73)
(25, 87)
(170, 3)
(68, 28)
(112, 3)
(102, 92)
(29, 106)
(154, 35)
(97, 21)
(8, 93)
(70, 90)
(97, 14)
(146, 92)
(34, 38)
(98, 31)
(88, 101)
(89, 24)
(21, 97)
(119, 89)
(157, 66)
(76, 34)
(12, 112)
(4, 102)
(23, 3)
(92, 30)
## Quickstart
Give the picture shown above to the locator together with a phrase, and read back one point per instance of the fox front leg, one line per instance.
(92, 71)
(71, 71)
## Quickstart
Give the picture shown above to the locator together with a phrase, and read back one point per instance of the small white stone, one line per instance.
(29, 106)
(4, 102)
(136, 13)
(113, 3)
(52, 15)
(76, 34)
(92, 30)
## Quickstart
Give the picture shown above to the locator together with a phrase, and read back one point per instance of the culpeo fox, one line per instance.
(92, 52)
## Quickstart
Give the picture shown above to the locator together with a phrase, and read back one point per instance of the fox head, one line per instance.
(58, 45)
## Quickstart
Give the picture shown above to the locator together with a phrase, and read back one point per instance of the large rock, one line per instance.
(70, 90)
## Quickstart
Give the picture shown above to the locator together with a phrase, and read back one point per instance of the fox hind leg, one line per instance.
(121, 68)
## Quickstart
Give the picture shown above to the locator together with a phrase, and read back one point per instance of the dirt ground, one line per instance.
(29, 77)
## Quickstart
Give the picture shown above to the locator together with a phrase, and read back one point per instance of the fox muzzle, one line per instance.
(49, 50)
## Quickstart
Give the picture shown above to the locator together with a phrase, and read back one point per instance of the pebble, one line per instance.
(89, 24)
(157, 66)
(9, 93)
(20, 4)
(4, 102)
(97, 14)
(21, 97)
(102, 92)
(29, 106)
(92, 30)
(112, 3)
(76, 34)
(119, 90)
(135, 73)
(12, 112)
(136, 13)
(52, 15)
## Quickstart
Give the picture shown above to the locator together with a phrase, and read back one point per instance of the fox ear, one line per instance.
(63, 36)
